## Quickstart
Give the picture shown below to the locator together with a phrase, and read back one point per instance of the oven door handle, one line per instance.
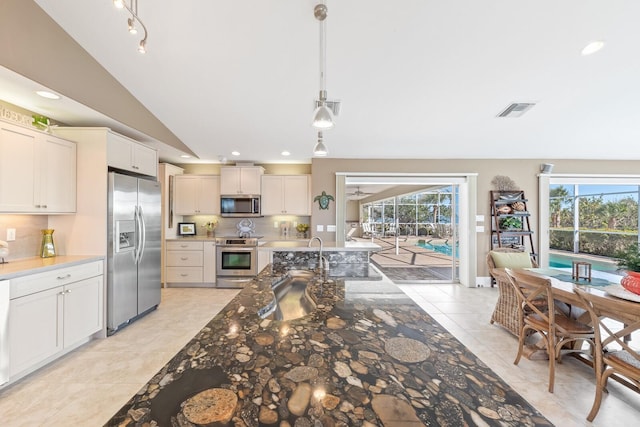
(236, 249)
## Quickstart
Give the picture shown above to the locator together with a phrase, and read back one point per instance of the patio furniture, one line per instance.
(624, 361)
(506, 311)
(556, 329)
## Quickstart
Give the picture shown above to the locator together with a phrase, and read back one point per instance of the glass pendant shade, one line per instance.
(320, 149)
(322, 118)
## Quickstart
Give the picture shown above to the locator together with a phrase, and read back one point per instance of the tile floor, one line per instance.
(86, 387)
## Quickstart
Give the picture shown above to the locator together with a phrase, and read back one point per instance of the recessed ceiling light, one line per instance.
(185, 156)
(235, 153)
(47, 94)
(285, 153)
(592, 47)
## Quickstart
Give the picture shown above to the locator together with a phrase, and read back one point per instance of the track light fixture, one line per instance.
(132, 8)
(325, 110)
(320, 150)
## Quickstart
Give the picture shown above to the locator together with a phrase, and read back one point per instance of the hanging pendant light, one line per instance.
(322, 116)
(320, 150)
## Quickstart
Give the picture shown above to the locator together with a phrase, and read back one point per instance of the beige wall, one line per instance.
(523, 171)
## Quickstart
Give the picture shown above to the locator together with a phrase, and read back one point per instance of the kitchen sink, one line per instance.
(291, 299)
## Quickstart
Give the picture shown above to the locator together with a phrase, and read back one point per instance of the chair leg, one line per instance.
(551, 351)
(602, 381)
(521, 338)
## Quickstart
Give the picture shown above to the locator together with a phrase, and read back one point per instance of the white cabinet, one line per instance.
(52, 312)
(37, 172)
(129, 155)
(240, 180)
(286, 194)
(265, 257)
(190, 262)
(196, 195)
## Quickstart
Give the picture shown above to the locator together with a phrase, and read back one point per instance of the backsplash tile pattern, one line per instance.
(28, 234)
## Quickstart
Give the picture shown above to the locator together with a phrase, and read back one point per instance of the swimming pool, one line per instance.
(442, 248)
(558, 260)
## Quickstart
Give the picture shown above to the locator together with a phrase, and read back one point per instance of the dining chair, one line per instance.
(619, 358)
(560, 333)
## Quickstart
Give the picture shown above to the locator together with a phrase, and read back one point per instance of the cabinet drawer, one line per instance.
(32, 283)
(184, 274)
(184, 246)
(184, 258)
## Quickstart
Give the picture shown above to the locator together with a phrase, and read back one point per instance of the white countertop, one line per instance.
(21, 267)
(302, 246)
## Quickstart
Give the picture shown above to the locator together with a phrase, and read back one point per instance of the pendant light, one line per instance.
(320, 150)
(322, 116)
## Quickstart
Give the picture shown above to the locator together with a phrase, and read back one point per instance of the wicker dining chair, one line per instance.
(556, 329)
(624, 360)
(506, 312)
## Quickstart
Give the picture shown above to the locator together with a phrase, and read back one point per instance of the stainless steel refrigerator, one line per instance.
(133, 261)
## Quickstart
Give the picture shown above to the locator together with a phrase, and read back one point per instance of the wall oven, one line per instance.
(240, 206)
(236, 261)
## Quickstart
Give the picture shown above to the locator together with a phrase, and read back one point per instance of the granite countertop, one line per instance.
(303, 245)
(24, 266)
(366, 356)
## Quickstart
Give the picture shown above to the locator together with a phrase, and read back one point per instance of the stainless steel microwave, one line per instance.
(240, 206)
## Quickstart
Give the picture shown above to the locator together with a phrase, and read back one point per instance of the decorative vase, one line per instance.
(631, 282)
(47, 248)
(211, 233)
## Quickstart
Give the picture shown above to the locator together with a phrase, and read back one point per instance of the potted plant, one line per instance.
(510, 223)
(302, 230)
(629, 260)
(211, 227)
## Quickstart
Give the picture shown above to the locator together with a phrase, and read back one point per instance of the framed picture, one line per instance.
(186, 229)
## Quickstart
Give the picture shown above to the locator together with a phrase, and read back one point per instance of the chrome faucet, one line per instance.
(323, 264)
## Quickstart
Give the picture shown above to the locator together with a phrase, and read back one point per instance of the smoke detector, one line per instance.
(516, 109)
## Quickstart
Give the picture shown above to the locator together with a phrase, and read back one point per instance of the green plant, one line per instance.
(629, 258)
(510, 222)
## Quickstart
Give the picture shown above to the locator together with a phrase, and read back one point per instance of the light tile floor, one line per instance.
(88, 386)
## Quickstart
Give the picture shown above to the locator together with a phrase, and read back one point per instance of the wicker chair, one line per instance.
(506, 312)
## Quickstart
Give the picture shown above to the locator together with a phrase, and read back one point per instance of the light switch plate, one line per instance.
(320, 228)
(11, 234)
(331, 228)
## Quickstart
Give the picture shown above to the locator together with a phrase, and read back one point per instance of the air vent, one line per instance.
(516, 109)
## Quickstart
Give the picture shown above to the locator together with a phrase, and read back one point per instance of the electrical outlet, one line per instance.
(275, 224)
(11, 234)
(319, 227)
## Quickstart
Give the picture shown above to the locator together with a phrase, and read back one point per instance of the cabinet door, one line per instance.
(296, 195)
(272, 195)
(264, 258)
(230, 181)
(209, 195)
(119, 152)
(185, 189)
(209, 268)
(250, 182)
(17, 168)
(35, 328)
(82, 309)
(57, 167)
(145, 160)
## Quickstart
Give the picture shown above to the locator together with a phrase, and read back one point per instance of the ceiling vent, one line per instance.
(516, 109)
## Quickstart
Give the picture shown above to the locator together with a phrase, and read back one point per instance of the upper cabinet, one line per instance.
(240, 180)
(37, 171)
(286, 194)
(196, 195)
(129, 155)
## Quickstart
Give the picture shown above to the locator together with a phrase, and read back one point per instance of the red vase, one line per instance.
(631, 282)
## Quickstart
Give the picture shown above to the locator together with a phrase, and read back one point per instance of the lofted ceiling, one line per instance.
(417, 78)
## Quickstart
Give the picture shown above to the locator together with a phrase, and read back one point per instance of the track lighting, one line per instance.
(132, 8)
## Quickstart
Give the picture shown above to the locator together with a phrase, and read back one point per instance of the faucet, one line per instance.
(323, 263)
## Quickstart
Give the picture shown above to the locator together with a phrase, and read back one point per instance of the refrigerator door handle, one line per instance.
(143, 234)
(136, 251)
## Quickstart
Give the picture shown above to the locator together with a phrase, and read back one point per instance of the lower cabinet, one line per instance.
(190, 262)
(51, 312)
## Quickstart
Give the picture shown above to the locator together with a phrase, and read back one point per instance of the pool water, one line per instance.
(566, 261)
(443, 249)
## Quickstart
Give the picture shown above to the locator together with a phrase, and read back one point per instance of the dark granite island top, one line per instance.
(367, 356)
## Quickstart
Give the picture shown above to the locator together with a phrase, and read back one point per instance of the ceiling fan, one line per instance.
(359, 193)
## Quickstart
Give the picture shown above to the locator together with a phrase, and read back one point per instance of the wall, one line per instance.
(523, 171)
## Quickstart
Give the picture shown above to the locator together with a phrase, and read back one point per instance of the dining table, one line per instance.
(603, 286)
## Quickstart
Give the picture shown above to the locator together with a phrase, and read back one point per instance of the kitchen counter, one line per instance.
(303, 246)
(366, 356)
(21, 267)
(192, 239)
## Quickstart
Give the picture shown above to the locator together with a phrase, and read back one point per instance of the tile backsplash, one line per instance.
(28, 234)
(264, 226)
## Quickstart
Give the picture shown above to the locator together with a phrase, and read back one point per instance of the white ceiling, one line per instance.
(417, 78)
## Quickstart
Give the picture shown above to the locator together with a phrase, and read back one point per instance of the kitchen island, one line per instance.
(367, 355)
